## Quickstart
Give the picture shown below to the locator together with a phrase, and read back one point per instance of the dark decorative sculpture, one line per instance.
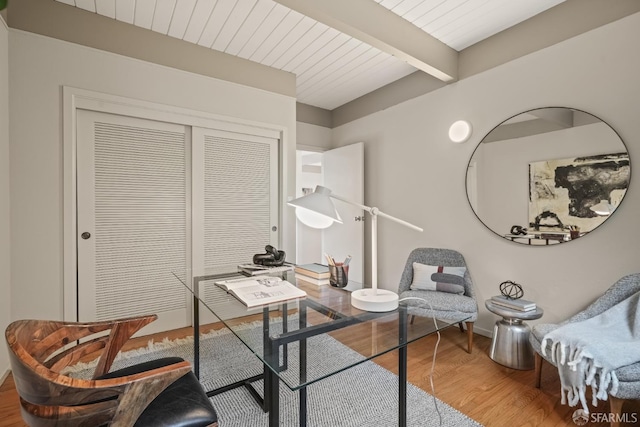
(548, 219)
(272, 258)
(511, 290)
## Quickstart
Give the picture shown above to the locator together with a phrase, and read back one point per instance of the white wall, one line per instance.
(5, 273)
(313, 137)
(38, 68)
(413, 172)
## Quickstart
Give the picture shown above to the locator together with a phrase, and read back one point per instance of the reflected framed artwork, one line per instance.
(577, 192)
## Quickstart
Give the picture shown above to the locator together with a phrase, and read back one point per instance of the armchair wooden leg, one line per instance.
(538, 369)
(469, 336)
(615, 407)
(461, 327)
(413, 317)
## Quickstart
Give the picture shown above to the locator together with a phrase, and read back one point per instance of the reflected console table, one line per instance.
(540, 237)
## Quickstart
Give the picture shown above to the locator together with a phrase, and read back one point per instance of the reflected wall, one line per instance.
(548, 176)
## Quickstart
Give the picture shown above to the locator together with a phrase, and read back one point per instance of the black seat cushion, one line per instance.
(183, 404)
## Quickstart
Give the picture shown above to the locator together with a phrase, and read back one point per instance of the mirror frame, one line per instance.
(550, 240)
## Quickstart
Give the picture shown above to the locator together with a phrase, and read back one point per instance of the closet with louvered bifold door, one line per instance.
(155, 198)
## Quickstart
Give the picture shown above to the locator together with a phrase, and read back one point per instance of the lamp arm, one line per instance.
(366, 208)
(375, 212)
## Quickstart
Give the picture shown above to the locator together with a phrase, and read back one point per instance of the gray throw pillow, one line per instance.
(438, 278)
(451, 283)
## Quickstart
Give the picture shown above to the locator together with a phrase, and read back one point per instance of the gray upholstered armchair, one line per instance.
(628, 376)
(446, 305)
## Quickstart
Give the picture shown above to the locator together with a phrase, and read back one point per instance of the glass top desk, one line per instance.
(288, 336)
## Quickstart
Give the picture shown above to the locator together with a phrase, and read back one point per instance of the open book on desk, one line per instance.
(261, 290)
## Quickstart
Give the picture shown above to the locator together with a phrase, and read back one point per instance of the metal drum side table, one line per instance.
(510, 344)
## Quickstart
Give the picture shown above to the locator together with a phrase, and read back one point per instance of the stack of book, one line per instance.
(514, 304)
(316, 274)
(258, 270)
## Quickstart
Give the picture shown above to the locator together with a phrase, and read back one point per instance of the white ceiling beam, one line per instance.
(560, 116)
(366, 20)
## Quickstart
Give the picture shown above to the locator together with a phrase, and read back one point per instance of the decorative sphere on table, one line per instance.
(511, 290)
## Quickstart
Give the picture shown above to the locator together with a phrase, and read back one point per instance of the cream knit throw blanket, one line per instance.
(587, 353)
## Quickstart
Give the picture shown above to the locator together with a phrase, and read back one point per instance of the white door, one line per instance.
(235, 204)
(132, 204)
(235, 197)
(343, 173)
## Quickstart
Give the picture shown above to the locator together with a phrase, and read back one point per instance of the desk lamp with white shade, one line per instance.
(318, 205)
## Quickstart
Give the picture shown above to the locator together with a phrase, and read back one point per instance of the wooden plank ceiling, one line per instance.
(332, 66)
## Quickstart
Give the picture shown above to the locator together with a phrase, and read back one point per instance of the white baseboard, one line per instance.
(484, 332)
(4, 376)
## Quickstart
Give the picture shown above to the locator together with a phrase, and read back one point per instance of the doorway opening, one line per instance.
(342, 171)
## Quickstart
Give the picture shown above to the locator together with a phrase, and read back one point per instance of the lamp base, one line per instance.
(367, 300)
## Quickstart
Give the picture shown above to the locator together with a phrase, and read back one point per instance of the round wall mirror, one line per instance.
(548, 176)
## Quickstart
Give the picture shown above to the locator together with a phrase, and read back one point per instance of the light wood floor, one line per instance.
(472, 383)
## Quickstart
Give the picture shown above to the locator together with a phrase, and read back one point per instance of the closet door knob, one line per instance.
(85, 235)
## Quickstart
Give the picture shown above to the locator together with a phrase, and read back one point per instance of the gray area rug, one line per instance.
(362, 396)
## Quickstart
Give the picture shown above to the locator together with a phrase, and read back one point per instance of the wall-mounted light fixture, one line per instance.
(460, 131)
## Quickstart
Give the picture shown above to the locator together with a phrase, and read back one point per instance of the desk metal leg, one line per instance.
(271, 380)
(268, 377)
(285, 329)
(402, 369)
(196, 326)
(273, 391)
(196, 336)
(302, 322)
